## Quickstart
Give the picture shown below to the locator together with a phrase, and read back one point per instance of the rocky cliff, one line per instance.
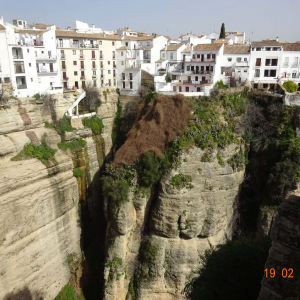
(40, 211)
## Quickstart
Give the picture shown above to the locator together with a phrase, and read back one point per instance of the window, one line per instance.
(174, 88)
(245, 71)
(95, 83)
(123, 84)
(42, 52)
(60, 43)
(122, 53)
(93, 54)
(245, 59)
(296, 62)
(74, 52)
(75, 43)
(29, 64)
(113, 43)
(229, 58)
(39, 80)
(123, 76)
(130, 85)
(208, 56)
(94, 73)
(214, 56)
(31, 79)
(171, 56)
(114, 54)
(294, 75)
(115, 82)
(126, 44)
(258, 62)
(94, 65)
(108, 62)
(44, 64)
(188, 68)
(74, 63)
(148, 44)
(100, 42)
(180, 88)
(257, 73)
(255, 85)
(27, 50)
(163, 55)
(173, 77)
(130, 76)
(265, 85)
(270, 73)
(122, 62)
(108, 71)
(238, 59)
(198, 55)
(258, 49)
(75, 73)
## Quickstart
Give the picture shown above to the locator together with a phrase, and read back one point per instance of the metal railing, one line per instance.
(19, 69)
(77, 45)
(45, 71)
(213, 60)
(18, 56)
(22, 86)
(46, 57)
(82, 77)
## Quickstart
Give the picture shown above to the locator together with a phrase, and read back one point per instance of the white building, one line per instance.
(137, 54)
(235, 64)
(28, 60)
(238, 38)
(87, 57)
(83, 27)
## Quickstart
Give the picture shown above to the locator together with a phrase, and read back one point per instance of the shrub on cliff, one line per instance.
(290, 86)
(68, 293)
(231, 271)
(94, 123)
(42, 152)
(63, 125)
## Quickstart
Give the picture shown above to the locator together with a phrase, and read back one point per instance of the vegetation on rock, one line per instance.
(181, 181)
(42, 152)
(72, 145)
(68, 293)
(77, 172)
(63, 125)
(118, 136)
(93, 123)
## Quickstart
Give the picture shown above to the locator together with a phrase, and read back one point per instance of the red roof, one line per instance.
(182, 35)
(201, 36)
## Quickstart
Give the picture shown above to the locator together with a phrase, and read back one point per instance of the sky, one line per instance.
(259, 19)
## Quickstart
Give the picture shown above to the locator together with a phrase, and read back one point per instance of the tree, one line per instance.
(222, 32)
(92, 98)
(290, 86)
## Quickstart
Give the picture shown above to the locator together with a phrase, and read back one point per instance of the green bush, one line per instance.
(151, 168)
(150, 96)
(37, 96)
(118, 136)
(148, 252)
(42, 152)
(77, 172)
(237, 161)
(290, 86)
(181, 181)
(231, 271)
(68, 293)
(94, 123)
(63, 125)
(114, 267)
(76, 144)
(168, 78)
(116, 190)
(221, 85)
(220, 160)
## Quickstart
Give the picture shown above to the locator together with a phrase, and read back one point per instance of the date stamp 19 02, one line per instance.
(285, 273)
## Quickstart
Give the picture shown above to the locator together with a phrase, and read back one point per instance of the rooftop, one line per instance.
(208, 46)
(265, 43)
(2, 27)
(231, 49)
(72, 33)
(172, 47)
(291, 46)
(123, 48)
(30, 31)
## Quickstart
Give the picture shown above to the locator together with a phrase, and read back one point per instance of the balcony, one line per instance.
(135, 64)
(210, 60)
(22, 86)
(65, 78)
(242, 64)
(82, 77)
(46, 57)
(101, 56)
(196, 82)
(81, 56)
(94, 76)
(294, 65)
(77, 45)
(46, 71)
(202, 72)
(64, 68)
(19, 69)
(114, 57)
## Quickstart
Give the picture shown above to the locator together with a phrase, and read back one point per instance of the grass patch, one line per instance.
(68, 293)
(42, 152)
(76, 144)
(77, 172)
(63, 125)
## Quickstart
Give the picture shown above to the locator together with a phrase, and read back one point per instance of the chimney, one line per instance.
(277, 38)
(93, 25)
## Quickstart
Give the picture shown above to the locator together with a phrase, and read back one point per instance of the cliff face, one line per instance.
(40, 212)
(284, 253)
(154, 242)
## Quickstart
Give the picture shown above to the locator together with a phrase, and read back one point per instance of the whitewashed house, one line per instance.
(135, 55)
(235, 64)
(265, 63)
(29, 60)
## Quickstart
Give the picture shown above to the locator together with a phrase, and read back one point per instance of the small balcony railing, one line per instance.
(62, 56)
(294, 65)
(211, 60)
(102, 76)
(81, 56)
(22, 86)
(114, 66)
(46, 57)
(94, 67)
(101, 56)
(94, 76)
(18, 56)
(65, 78)
(19, 69)
(64, 68)
(82, 67)
(82, 77)
(45, 71)
(202, 72)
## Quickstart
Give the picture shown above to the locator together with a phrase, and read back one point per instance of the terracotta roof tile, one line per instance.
(187, 49)
(208, 47)
(160, 60)
(72, 33)
(291, 46)
(123, 48)
(30, 31)
(237, 49)
(222, 41)
(172, 47)
(266, 43)
(139, 38)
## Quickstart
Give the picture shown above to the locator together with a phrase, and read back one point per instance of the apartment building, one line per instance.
(137, 54)
(87, 57)
(235, 64)
(28, 59)
(200, 68)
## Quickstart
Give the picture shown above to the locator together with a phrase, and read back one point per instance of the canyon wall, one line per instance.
(40, 203)
(154, 242)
